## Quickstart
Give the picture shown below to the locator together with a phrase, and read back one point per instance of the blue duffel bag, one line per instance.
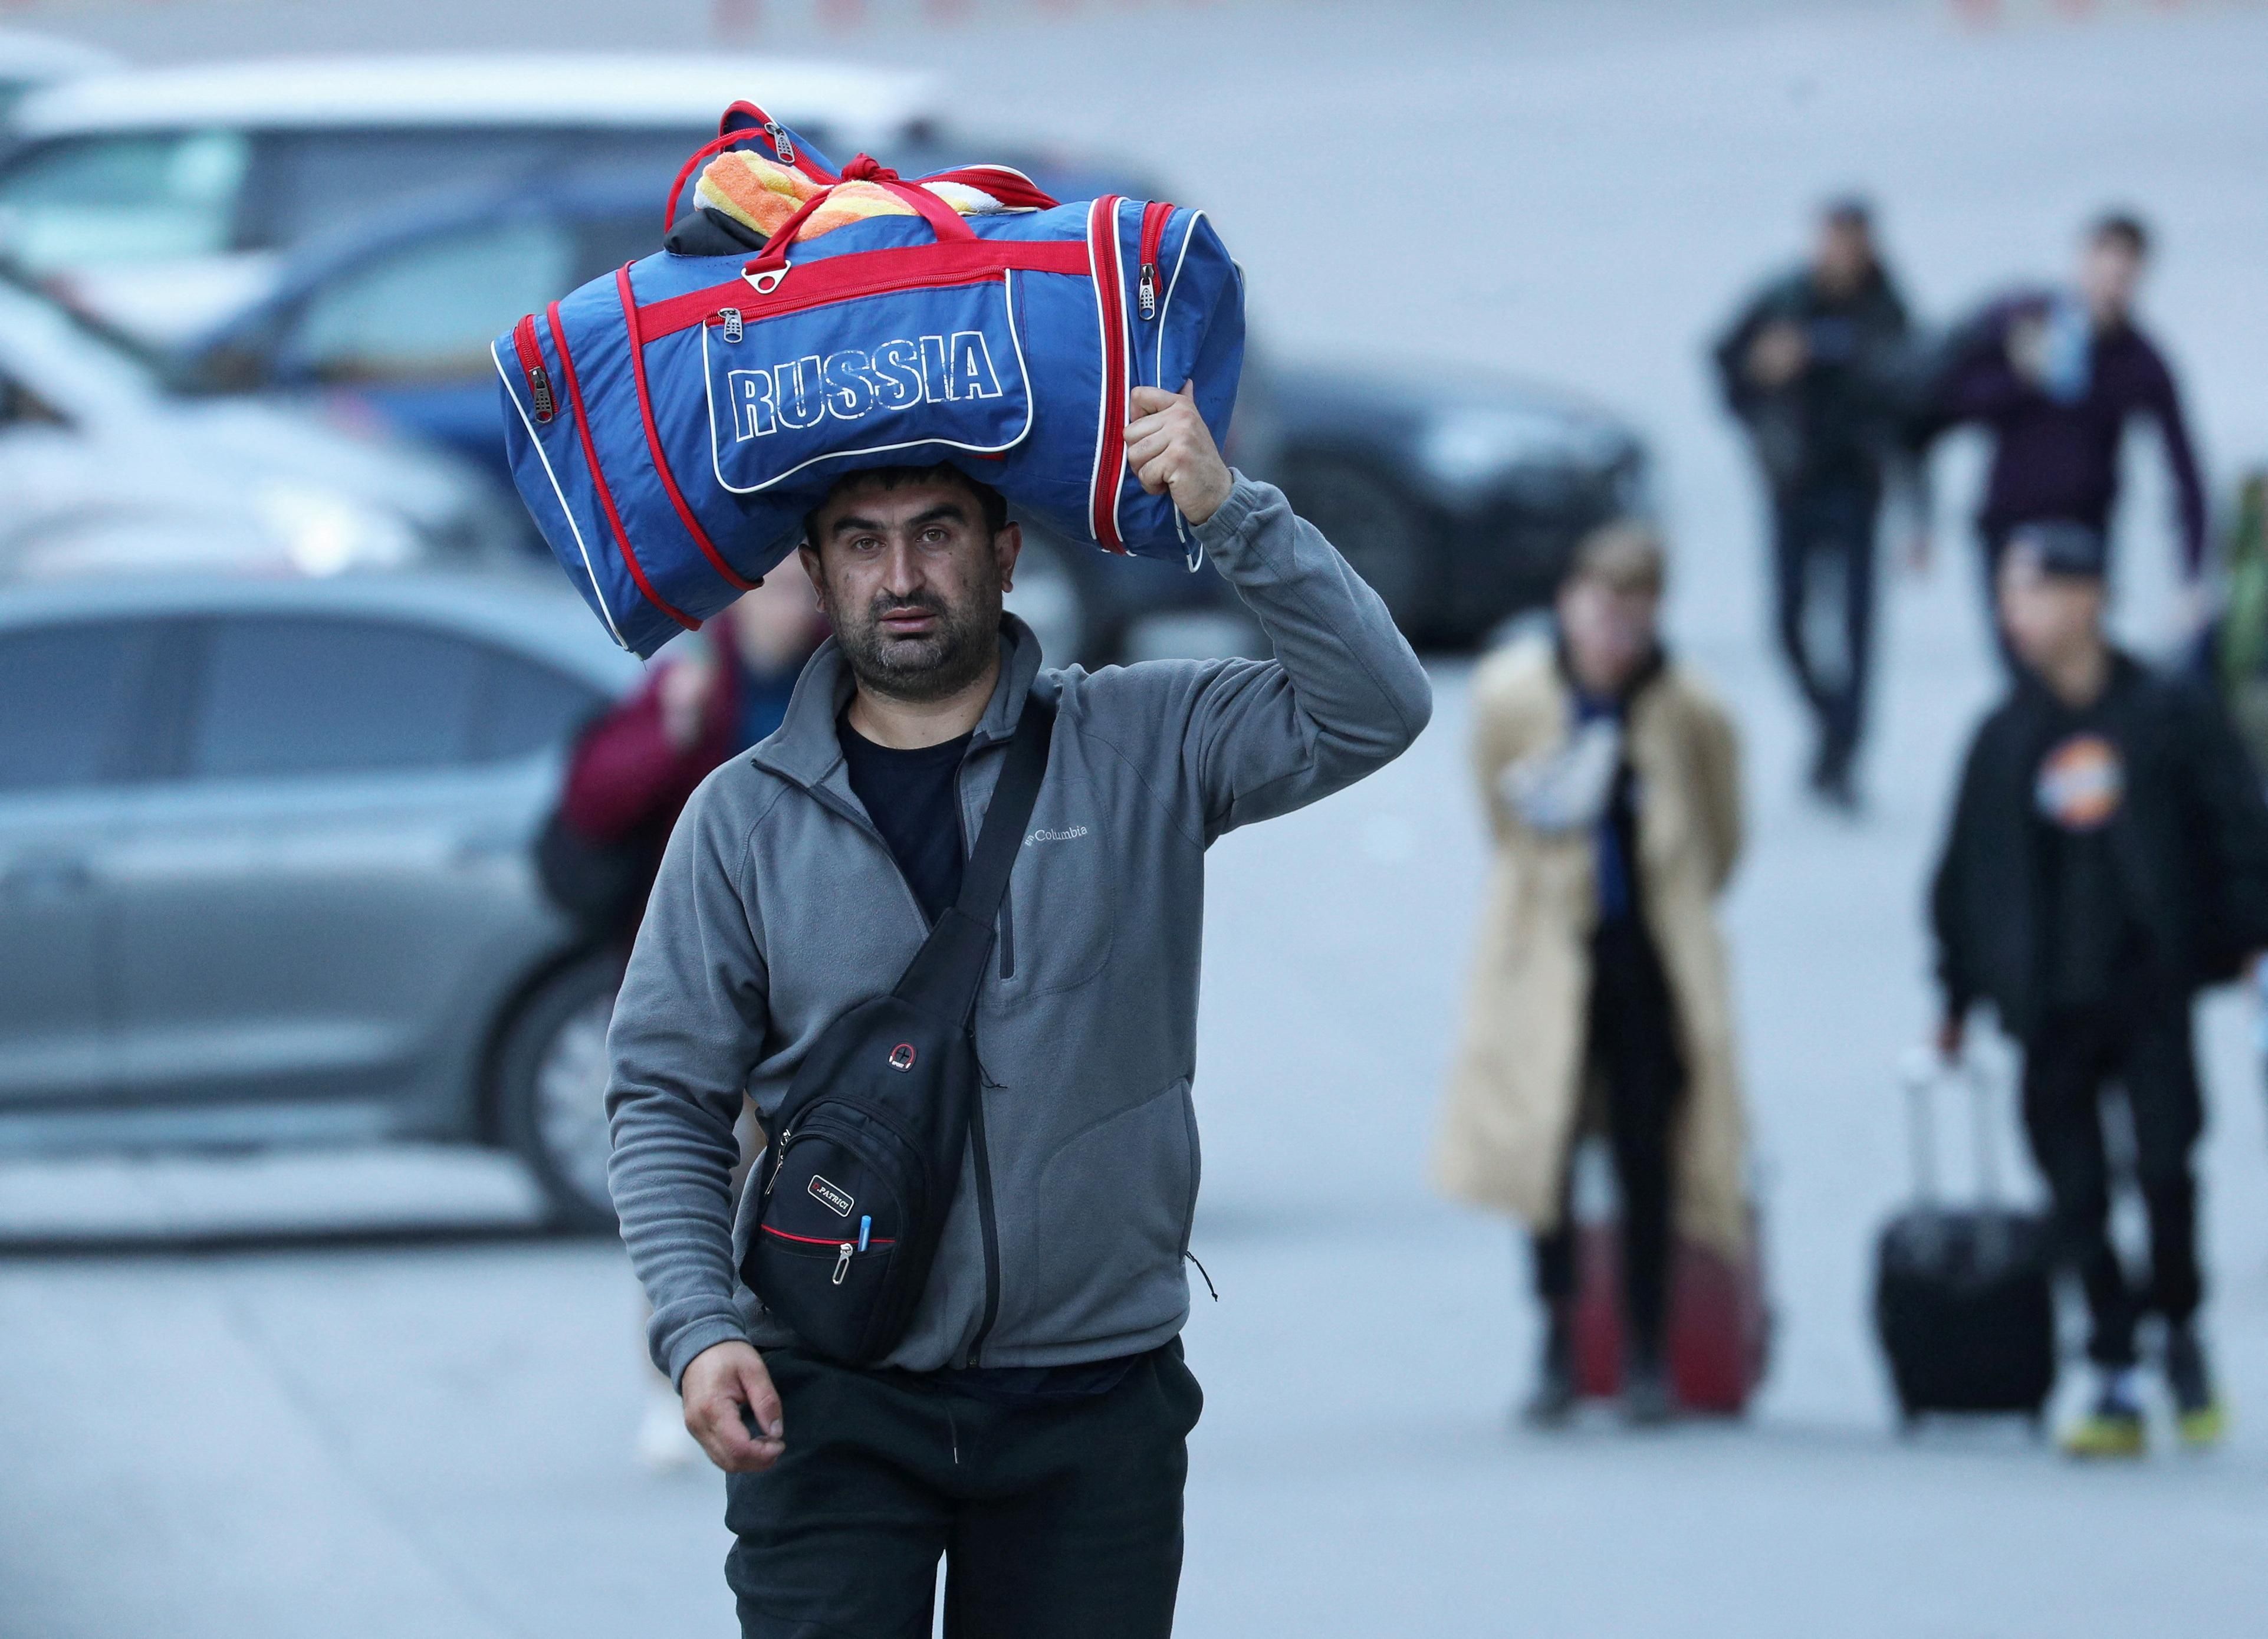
(670, 424)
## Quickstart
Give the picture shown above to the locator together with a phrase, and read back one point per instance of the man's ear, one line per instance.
(811, 573)
(1007, 546)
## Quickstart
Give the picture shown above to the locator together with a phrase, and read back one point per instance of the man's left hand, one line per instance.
(1170, 450)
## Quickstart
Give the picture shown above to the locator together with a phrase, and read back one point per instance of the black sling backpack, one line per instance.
(857, 1185)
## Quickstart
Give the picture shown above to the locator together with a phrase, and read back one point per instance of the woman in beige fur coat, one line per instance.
(1600, 996)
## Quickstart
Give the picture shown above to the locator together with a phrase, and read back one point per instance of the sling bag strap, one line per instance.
(943, 978)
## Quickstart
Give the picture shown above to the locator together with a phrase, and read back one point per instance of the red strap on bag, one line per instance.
(598, 477)
(743, 123)
(1111, 433)
(731, 577)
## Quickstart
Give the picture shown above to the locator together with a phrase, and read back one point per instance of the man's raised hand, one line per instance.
(1170, 450)
(723, 1380)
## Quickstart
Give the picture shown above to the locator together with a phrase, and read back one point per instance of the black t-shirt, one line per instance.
(913, 797)
(2087, 933)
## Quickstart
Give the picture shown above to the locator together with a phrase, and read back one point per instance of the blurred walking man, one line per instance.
(1812, 368)
(2108, 858)
(1611, 780)
(2055, 376)
(1029, 1424)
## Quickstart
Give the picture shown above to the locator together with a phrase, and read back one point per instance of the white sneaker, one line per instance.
(664, 1443)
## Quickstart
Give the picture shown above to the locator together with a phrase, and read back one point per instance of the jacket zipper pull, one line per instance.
(780, 1158)
(732, 327)
(843, 1263)
(1146, 290)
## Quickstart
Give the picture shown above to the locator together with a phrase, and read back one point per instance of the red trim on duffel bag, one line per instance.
(862, 273)
(1110, 311)
(732, 577)
(531, 366)
(730, 136)
(599, 477)
(1005, 183)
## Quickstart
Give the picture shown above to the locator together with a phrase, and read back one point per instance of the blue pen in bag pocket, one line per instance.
(866, 1229)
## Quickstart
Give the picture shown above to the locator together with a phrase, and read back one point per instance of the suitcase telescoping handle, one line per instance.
(1921, 1070)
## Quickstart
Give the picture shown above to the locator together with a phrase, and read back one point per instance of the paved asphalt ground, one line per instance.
(426, 1430)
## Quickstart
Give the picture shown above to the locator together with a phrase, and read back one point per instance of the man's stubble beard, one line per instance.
(932, 667)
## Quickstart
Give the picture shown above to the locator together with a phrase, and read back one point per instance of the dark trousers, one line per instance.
(1823, 521)
(2068, 1062)
(1632, 1046)
(1059, 1521)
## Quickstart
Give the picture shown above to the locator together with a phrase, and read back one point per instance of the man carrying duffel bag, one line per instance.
(945, 926)
(2108, 858)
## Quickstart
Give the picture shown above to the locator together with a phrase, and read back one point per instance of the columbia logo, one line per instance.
(1055, 836)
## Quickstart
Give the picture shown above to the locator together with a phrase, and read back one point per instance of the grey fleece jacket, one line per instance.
(779, 907)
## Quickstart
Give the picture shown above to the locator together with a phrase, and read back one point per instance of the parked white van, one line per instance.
(162, 200)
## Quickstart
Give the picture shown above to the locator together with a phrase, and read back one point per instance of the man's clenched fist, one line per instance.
(724, 1381)
(1169, 448)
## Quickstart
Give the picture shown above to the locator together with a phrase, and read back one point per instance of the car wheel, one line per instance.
(550, 1090)
(1377, 528)
(1050, 599)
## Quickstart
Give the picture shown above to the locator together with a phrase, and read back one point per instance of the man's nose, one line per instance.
(901, 570)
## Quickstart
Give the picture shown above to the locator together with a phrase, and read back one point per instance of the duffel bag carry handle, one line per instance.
(769, 268)
(740, 124)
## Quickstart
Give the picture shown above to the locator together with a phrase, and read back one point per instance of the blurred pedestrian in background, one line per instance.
(1814, 368)
(2108, 858)
(2055, 376)
(711, 697)
(631, 774)
(1611, 780)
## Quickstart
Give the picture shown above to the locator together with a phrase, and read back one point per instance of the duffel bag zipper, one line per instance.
(531, 365)
(1155, 214)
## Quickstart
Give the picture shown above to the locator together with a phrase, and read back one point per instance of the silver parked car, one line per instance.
(265, 868)
(100, 457)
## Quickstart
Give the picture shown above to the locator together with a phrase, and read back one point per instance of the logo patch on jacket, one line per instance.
(2081, 783)
(830, 1196)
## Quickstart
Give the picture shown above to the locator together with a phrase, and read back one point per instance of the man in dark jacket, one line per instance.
(1812, 368)
(2108, 858)
(2055, 376)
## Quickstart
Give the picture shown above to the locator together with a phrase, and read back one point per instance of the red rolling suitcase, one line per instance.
(1719, 1335)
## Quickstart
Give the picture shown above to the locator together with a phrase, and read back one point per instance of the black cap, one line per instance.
(2073, 549)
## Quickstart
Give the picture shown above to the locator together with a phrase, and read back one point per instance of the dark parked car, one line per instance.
(1459, 503)
(265, 868)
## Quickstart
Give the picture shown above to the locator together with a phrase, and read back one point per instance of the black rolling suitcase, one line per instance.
(1963, 1302)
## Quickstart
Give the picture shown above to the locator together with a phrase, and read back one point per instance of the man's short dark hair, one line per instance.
(1849, 211)
(2122, 228)
(992, 506)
